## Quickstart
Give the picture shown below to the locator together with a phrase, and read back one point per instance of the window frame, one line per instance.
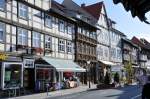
(23, 35)
(61, 45)
(69, 47)
(24, 8)
(48, 18)
(70, 29)
(61, 26)
(38, 39)
(3, 31)
(48, 41)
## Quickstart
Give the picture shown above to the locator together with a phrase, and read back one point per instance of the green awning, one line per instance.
(64, 65)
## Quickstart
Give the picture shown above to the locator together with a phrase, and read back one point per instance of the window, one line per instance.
(61, 45)
(83, 31)
(48, 42)
(69, 46)
(79, 30)
(100, 51)
(119, 55)
(61, 26)
(113, 52)
(2, 31)
(87, 33)
(94, 35)
(22, 36)
(48, 21)
(69, 29)
(106, 53)
(36, 39)
(2, 4)
(37, 13)
(29, 63)
(23, 11)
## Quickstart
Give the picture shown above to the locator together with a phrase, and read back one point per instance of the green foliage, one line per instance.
(129, 71)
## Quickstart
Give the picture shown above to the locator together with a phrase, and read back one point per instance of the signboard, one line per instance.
(3, 56)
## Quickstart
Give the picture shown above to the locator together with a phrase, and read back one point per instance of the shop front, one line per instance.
(45, 76)
(66, 72)
(11, 73)
(105, 74)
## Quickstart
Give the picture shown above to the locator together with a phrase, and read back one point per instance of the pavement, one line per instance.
(58, 93)
(83, 92)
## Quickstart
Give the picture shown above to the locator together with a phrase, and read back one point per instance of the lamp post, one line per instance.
(88, 69)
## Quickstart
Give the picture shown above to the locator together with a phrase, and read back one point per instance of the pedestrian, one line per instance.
(116, 79)
(146, 90)
(143, 79)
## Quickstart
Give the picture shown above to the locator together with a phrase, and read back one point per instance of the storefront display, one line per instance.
(44, 77)
(12, 75)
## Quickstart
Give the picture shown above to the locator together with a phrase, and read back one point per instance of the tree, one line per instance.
(129, 71)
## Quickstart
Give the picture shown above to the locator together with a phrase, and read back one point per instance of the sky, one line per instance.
(125, 22)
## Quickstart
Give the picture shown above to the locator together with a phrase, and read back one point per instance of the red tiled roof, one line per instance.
(94, 9)
(136, 41)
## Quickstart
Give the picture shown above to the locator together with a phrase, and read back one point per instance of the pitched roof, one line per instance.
(94, 9)
(138, 42)
(58, 7)
(74, 7)
(147, 44)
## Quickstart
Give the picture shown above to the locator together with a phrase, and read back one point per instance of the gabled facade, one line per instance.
(37, 38)
(115, 47)
(130, 59)
(103, 37)
(85, 39)
(144, 52)
(130, 53)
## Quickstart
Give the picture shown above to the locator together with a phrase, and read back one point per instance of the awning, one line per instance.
(135, 66)
(64, 65)
(116, 68)
(108, 63)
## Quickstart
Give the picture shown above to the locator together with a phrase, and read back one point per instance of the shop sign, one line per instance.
(3, 56)
(29, 63)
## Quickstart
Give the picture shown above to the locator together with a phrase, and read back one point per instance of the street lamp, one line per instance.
(88, 69)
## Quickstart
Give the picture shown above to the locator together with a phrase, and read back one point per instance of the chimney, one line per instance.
(83, 5)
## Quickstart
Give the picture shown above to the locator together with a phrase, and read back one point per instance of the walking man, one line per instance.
(146, 90)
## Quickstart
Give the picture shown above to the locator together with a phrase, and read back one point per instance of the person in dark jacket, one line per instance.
(146, 90)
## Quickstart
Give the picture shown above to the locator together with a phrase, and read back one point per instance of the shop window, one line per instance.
(2, 4)
(29, 63)
(48, 42)
(13, 75)
(48, 21)
(69, 46)
(61, 45)
(22, 36)
(2, 31)
(36, 42)
(23, 11)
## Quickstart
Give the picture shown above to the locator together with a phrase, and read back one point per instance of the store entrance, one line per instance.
(44, 79)
(29, 79)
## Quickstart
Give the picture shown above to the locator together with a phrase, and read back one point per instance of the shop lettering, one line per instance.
(3, 57)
